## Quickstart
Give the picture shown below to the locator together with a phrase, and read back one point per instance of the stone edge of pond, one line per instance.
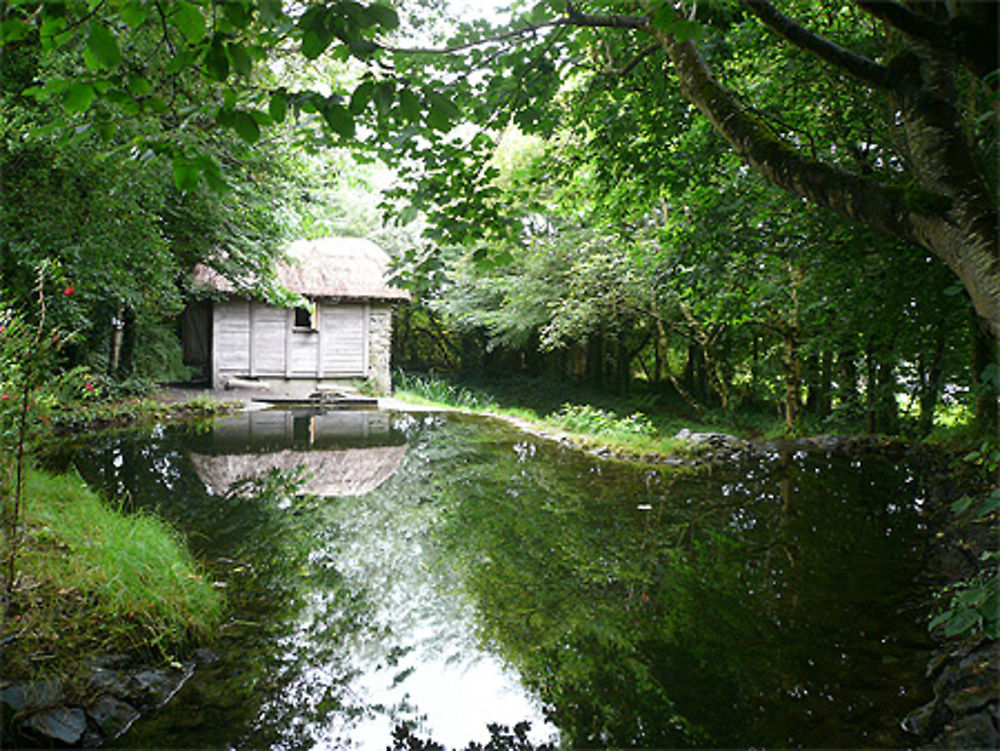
(120, 691)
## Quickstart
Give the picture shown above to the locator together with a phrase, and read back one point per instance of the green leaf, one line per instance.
(186, 173)
(139, 85)
(408, 214)
(188, 18)
(247, 128)
(180, 61)
(961, 504)
(685, 31)
(314, 43)
(442, 111)
(339, 119)
(384, 96)
(78, 98)
(91, 61)
(13, 30)
(990, 504)
(217, 61)
(133, 14)
(409, 105)
(237, 15)
(241, 60)
(269, 11)
(213, 175)
(363, 48)
(103, 46)
(361, 96)
(540, 13)
(383, 16)
(962, 621)
(278, 106)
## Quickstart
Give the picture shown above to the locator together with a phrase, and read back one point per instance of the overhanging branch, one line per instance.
(857, 65)
(972, 39)
(573, 18)
(858, 197)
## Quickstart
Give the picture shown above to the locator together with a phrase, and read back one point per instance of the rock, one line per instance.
(925, 721)
(156, 687)
(103, 680)
(710, 440)
(62, 724)
(970, 699)
(112, 715)
(38, 695)
(205, 656)
(973, 731)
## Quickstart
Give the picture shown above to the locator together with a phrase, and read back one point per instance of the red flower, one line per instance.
(89, 387)
(5, 396)
(69, 290)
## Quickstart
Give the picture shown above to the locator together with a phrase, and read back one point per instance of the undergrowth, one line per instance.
(639, 423)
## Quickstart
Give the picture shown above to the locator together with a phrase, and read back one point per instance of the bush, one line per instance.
(583, 418)
(440, 391)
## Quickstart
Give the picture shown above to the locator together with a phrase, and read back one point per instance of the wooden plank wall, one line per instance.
(257, 340)
(346, 338)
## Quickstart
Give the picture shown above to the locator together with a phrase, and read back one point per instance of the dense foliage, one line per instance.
(740, 202)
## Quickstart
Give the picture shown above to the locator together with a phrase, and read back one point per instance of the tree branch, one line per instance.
(643, 54)
(972, 40)
(455, 49)
(858, 197)
(573, 17)
(857, 65)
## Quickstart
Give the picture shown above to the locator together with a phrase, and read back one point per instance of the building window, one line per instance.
(305, 319)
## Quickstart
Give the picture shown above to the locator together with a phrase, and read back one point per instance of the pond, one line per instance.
(446, 572)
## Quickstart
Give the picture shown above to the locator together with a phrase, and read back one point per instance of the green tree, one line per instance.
(917, 83)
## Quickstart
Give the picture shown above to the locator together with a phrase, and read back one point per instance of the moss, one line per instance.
(904, 69)
(926, 202)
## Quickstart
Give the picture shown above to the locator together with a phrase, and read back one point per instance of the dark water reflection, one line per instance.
(471, 574)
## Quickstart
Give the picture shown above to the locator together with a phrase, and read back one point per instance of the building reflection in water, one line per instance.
(346, 452)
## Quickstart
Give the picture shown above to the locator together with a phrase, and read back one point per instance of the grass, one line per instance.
(92, 579)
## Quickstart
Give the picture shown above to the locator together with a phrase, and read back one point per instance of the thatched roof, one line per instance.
(347, 268)
(343, 472)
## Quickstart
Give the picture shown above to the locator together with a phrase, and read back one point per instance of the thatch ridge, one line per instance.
(342, 268)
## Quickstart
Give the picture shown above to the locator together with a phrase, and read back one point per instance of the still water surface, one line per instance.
(448, 572)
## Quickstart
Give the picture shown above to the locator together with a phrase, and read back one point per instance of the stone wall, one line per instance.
(380, 348)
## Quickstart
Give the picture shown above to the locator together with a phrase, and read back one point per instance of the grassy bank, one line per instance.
(636, 424)
(93, 579)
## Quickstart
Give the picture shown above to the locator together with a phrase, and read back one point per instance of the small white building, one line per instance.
(341, 339)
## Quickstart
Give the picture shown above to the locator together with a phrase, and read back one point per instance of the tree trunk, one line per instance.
(985, 355)
(930, 387)
(117, 330)
(847, 389)
(792, 366)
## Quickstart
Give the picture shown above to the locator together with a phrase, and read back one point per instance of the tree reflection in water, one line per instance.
(758, 604)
